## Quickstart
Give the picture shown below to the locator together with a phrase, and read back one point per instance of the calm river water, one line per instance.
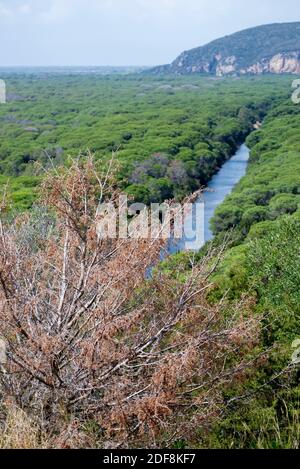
(222, 184)
(218, 188)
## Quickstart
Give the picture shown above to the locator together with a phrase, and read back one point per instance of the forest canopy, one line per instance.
(171, 134)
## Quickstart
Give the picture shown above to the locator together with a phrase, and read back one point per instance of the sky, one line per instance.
(124, 32)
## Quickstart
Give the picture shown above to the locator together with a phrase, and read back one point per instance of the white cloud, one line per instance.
(25, 9)
(57, 11)
(52, 10)
(124, 31)
(5, 12)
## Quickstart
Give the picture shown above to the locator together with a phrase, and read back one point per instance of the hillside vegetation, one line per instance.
(272, 186)
(265, 263)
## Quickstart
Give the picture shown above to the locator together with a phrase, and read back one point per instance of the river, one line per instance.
(217, 189)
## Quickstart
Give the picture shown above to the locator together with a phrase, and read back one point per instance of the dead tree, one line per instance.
(88, 338)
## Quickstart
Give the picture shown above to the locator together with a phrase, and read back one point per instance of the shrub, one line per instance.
(90, 344)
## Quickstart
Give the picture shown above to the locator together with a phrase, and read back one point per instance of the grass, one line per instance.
(19, 431)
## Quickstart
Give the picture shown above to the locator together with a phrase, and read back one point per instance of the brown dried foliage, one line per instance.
(91, 343)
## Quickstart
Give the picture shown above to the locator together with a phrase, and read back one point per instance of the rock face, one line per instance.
(272, 48)
(286, 62)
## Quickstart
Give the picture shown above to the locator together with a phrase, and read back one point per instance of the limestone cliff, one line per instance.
(272, 48)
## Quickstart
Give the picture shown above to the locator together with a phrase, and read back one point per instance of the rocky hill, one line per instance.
(273, 48)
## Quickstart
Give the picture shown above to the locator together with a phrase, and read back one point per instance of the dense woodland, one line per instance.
(91, 353)
(266, 263)
(171, 134)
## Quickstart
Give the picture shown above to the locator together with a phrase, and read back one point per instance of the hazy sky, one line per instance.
(124, 32)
